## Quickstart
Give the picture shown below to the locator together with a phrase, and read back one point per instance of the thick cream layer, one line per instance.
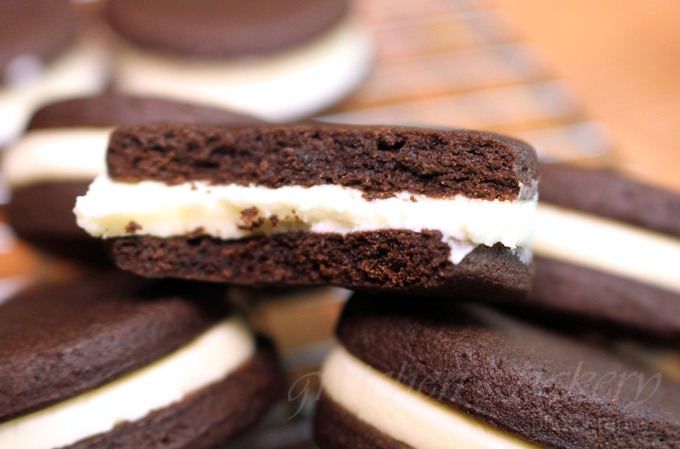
(81, 71)
(167, 211)
(277, 88)
(62, 154)
(609, 246)
(208, 359)
(405, 414)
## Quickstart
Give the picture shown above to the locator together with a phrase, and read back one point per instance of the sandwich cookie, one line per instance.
(608, 252)
(109, 364)
(64, 149)
(279, 60)
(408, 376)
(41, 62)
(409, 210)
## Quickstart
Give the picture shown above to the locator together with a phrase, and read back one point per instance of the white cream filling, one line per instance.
(62, 154)
(277, 88)
(81, 71)
(405, 414)
(606, 245)
(208, 359)
(166, 211)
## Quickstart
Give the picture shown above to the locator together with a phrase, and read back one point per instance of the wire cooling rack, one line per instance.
(463, 64)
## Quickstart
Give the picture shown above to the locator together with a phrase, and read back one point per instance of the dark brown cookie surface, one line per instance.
(606, 301)
(590, 297)
(403, 261)
(606, 194)
(58, 341)
(113, 109)
(42, 215)
(36, 31)
(542, 387)
(217, 28)
(206, 418)
(378, 160)
(336, 428)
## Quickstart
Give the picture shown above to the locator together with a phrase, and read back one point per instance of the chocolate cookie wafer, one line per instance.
(279, 60)
(110, 363)
(608, 252)
(408, 374)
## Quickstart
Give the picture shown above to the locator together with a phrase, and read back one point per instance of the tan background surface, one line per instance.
(622, 57)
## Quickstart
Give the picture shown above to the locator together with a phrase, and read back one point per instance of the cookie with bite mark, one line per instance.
(401, 209)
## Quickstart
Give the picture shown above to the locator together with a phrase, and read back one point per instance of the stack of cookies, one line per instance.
(419, 221)
(446, 340)
(424, 224)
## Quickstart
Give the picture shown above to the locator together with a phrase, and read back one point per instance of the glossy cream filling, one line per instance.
(404, 414)
(606, 245)
(276, 88)
(216, 210)
(62, 154)
(81, 71)
(208, 359)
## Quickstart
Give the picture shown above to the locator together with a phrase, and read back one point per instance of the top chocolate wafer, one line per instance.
(218, 28)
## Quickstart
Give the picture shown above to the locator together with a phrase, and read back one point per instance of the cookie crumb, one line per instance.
(295, 215)
(132, 228)
(413, 199)
(274, 220)
(196, 233)
(249, 216)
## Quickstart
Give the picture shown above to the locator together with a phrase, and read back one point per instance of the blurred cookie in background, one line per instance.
(64, 150)
(664, 359)
(279, 60)
(114, 361)
(608, 253)
(42, 60)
